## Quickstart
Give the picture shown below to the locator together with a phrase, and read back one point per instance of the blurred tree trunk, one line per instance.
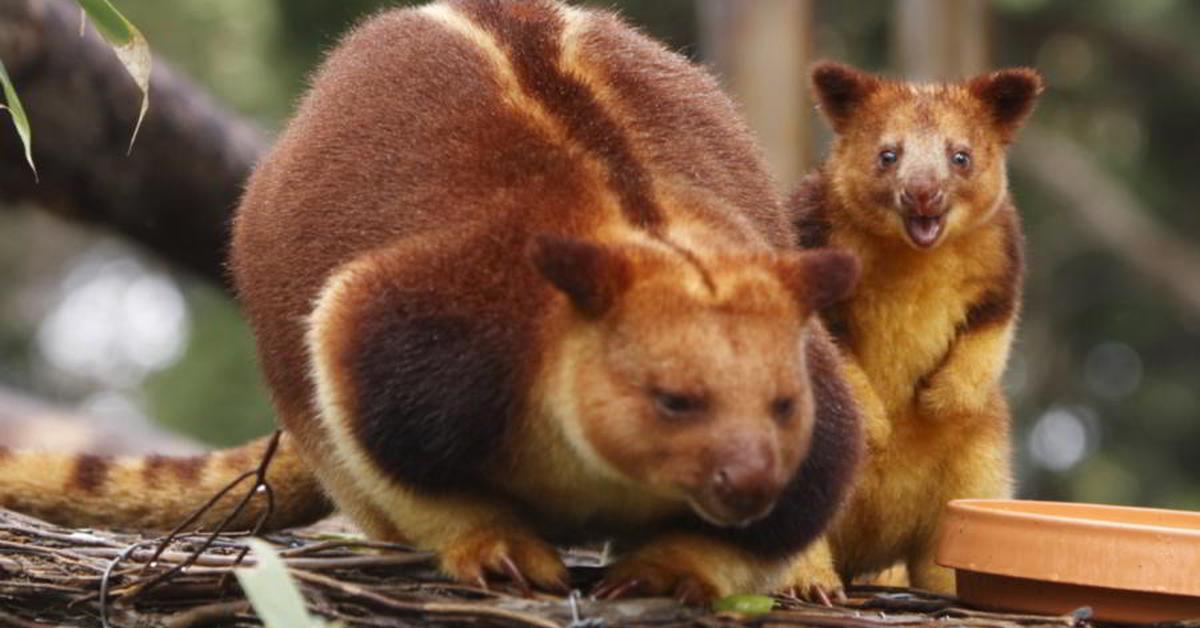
(762, 50)
(941, 39)
(174, 194)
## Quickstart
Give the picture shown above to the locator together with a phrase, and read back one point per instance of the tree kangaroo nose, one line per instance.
(924, 198)
(747, 482)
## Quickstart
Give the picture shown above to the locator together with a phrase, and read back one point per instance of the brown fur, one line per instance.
(485, 387)
(515, 275)
(90, 473)
(931, 322)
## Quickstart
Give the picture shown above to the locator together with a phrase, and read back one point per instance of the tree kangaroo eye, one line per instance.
(887, 158)
(677, 404)
(782, 408)
(961, 158)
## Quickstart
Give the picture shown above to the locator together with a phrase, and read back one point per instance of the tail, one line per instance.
(157, 492)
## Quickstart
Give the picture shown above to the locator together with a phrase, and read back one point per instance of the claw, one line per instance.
(690, 592)
(600, 589)
(818, 593)
(615, 590)
(481, 580)
(557, 587)
(514, 573)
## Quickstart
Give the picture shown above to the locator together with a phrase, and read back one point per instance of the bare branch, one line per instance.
(1116, 217)
(174, 194)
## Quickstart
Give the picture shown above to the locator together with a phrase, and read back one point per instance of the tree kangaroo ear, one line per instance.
(592, 276)
(1009, 96)
(840, 89)
(818, 279)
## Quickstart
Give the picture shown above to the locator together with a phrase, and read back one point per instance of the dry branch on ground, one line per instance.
(54, 575)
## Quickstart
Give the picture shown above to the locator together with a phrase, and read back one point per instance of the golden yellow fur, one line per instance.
(916, 188)
(949, 440)
(144, 493)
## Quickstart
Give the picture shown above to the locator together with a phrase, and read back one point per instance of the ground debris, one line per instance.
(54, 576)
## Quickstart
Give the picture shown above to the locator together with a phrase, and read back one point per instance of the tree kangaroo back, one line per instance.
(516, 274)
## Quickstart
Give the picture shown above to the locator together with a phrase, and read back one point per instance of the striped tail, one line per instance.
(157, 492)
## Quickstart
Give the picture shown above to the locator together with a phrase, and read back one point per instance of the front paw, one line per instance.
(647, 576)
(824, 588)
(524, 559)
(690, 568)
(812, 578)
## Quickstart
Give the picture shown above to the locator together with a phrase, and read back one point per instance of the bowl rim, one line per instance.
(980, 506)
(1137, 543)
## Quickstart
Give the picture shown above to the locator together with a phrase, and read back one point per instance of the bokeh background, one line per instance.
(114, 347)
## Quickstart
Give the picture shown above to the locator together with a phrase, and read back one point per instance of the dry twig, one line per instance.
(53, 574)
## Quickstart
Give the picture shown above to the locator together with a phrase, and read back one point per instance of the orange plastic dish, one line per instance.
(1127, 564)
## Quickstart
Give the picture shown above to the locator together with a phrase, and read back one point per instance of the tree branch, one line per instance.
(1112, 213)
(174, 194)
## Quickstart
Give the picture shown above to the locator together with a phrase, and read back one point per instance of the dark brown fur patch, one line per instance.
(808, 206)
(818, 489)
(999, 303)
(835, 321)
(435, 395)
(993, 307)
(90, 473)
(436, 386)
(841, 89)
(185, 470)
(530, 31)
(1009, 96)
(592, 276)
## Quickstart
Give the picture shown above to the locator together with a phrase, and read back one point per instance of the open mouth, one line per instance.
(924, 231)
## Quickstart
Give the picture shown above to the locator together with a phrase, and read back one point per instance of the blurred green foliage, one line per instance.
(218, 375)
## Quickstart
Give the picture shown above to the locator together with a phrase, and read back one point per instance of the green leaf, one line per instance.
(272, 592)
(130, 46)
(18, 116)
(744, 604)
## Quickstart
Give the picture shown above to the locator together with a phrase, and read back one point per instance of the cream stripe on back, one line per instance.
(511, 90)
(689, 235)
(572, 63)
(520, 101)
